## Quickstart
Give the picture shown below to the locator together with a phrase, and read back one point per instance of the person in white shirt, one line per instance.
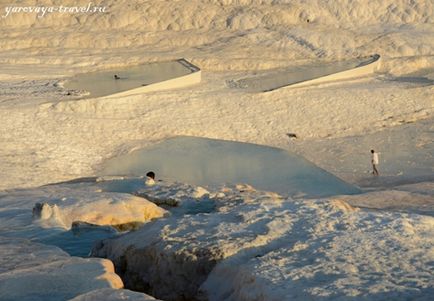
(374, 161)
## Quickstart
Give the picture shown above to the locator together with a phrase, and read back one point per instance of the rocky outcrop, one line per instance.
(259, 246)
(31, 271)
(99, 209)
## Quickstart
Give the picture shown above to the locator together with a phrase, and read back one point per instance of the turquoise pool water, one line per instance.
(209, 162)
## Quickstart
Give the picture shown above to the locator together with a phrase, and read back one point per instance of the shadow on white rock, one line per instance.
(396, 200)
(32, 271)
(259, 246)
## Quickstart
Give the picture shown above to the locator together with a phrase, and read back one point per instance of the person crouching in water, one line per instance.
(150, 178)
(374, 161)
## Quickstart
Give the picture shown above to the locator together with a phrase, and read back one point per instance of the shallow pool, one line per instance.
(289, 76)
(103, 83)
(209, 162)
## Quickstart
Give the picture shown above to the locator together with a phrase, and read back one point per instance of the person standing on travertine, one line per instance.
(374, 161)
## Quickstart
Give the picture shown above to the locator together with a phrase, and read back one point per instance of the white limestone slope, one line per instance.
(258, 246)
(369, 258)
(395, 200)
(31, 271)
(218, 30)
(48, 136)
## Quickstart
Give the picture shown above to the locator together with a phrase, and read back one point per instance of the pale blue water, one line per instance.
(293, 75)
(78, 242)
(209, 162)
(103, 83)
(18, 222)
(198, 161)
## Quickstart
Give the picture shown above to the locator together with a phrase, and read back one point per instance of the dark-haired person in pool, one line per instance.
(150, 178)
